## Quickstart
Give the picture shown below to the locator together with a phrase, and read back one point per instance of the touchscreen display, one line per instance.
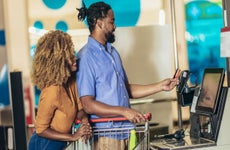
(210, 90)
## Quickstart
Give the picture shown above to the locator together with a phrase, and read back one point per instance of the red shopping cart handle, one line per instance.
(148, 116)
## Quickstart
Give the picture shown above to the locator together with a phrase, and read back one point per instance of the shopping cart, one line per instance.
(136, 135)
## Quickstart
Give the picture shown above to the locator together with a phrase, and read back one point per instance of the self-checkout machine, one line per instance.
(209, 114)
(210, 124)
(223, 138)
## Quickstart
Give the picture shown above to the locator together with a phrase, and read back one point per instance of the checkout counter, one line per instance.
(209, 115)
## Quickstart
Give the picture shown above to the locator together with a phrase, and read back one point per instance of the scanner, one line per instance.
(178, 135)
(183, 81)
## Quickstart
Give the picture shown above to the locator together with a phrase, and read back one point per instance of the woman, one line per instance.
(53, 72)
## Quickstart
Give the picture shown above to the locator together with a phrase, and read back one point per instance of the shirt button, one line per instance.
(121, 84)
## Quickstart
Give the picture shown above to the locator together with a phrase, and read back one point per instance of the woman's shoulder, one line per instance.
(51, 91)
(52, 88)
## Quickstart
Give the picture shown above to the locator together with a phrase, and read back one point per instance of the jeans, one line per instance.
(39, 143)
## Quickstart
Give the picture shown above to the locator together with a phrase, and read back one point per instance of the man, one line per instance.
(104, 89)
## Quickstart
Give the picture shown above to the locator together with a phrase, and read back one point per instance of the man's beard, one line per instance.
(110, 37)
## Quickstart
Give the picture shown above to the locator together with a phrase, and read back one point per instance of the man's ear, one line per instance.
(99, 23)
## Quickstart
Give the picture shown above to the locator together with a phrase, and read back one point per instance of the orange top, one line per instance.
(57, 108)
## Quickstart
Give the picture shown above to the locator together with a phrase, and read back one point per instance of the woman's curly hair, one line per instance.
(95, 11)
(50, 64)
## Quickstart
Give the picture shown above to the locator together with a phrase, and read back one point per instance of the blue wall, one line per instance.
(203, 24)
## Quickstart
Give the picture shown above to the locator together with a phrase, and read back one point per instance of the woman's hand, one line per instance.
(84, 132)
(86, 137)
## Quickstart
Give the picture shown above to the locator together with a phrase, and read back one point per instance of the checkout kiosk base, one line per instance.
(186, 143)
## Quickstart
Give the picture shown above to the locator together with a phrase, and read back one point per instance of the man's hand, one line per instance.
(134, 116)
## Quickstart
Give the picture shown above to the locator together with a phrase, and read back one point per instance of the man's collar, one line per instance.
(96, 43)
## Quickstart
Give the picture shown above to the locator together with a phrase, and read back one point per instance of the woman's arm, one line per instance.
(83, 130)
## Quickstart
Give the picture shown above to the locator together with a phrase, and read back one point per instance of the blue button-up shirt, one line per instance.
(101, 74)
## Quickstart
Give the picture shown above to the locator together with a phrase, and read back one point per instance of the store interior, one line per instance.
(160, 37)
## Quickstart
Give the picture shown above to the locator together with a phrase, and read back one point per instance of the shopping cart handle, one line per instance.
(148, 116)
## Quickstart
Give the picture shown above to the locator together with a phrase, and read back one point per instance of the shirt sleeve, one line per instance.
(46, 108)
(85, 78)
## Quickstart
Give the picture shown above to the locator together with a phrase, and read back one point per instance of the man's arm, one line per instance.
(140, 91)
(91, 106)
